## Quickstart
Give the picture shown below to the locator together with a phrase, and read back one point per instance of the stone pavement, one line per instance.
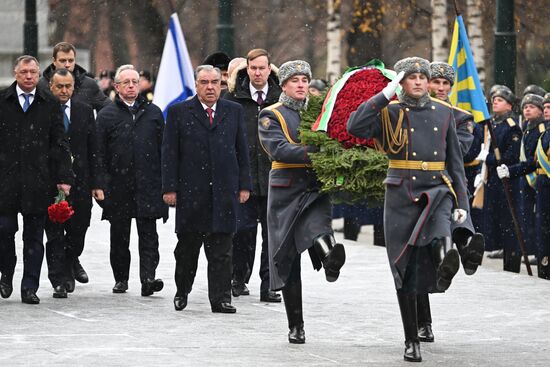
(490, 319)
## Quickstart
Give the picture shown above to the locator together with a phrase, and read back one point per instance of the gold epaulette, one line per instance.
(461, 110)
(542, 128)
(441, 102)
(511, 122)
(273, 106)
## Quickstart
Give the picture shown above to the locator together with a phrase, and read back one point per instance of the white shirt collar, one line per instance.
(68, 104)
(253, 91)
(205, 106)
(21, 91)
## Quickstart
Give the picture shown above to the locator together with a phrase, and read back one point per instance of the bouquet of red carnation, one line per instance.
(346, 166)
(60, 211)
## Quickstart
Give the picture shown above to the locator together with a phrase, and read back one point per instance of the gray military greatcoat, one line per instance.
(418, 202)
(296, 212)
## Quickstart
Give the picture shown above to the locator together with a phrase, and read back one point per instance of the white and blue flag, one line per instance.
(175, 80)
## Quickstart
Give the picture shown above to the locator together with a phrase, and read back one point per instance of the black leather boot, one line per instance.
(292, 295)
(543, 267)
(446, 261)
(331, 254)
(351, 229)
(379, 239)
(424, 316)
(511, 261)
(407, 306)
(471, 251)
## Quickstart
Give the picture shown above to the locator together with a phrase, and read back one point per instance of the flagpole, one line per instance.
(456, 8)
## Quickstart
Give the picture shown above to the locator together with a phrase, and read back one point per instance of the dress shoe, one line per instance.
(79, 273)
(297, 335)
(239, 289)
(120, 286)
(270, 296)
(150, 286)
(59, 292)
(412, 351)
(223, 307)
(6, 286)
(69, 285)
(425, 333)
(180, 302)
(29, 296)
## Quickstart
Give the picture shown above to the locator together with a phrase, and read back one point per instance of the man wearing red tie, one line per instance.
(205, 174)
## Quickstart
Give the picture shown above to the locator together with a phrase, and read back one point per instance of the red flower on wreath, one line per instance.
(60, 211)
(359, 87)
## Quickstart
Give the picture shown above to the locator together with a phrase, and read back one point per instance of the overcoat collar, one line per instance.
(200, 113)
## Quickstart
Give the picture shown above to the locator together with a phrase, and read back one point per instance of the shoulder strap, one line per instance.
(284, 126)
(511, 122)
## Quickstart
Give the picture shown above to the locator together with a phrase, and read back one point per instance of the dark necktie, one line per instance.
(27, 102)
(210, 113)
(66, 120)
(260, 99)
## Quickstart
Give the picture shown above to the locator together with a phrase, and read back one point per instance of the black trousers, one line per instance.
(33, 247)
(218, 250)
(65, 244)
(244, 242)
(148, 245)
(292, 295)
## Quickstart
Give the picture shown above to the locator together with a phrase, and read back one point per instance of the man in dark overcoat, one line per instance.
(34, 152)
(425, 186)
(66, 240)
(256, 86)
(205, 174)
(298, 214)
(129, 134)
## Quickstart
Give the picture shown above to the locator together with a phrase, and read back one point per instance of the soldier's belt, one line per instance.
(280, 165)
(473, 163)
(417, 165)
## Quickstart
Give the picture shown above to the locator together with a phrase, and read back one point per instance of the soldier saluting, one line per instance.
(425, 187)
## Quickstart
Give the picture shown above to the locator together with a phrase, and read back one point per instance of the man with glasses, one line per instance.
(129, 136)
(34, 156)
(205, 174)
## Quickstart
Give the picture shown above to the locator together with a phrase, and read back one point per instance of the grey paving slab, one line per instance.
(490, 319)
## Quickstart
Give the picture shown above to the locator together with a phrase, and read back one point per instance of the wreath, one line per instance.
(349, 168)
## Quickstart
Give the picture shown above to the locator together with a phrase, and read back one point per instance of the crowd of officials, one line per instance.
(230, 158)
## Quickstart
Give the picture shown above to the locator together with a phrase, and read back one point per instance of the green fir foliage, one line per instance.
(349, 175)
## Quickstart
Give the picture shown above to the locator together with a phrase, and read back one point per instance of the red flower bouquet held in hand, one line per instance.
(60, 211)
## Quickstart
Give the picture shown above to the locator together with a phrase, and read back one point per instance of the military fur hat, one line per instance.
(439, 69)
(534, 89)
(505, 93)
(494, 88)
(291, 68)
(218, 60)
(533, 99)
(412, 65)
(546, 98)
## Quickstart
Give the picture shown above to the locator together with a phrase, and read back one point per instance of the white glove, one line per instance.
(478, 180)
(459, 216)
(503, 171)
(389, 90)
(482, 156)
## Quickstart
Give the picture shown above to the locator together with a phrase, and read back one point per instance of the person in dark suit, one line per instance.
(129, 137)
(34, 153)
(66, 241)
(205, 174)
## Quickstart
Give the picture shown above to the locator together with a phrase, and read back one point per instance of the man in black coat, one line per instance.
(129, 134)
(256, 86)
(33, 153)
(66, 241)
(205, 174)
(86, 90)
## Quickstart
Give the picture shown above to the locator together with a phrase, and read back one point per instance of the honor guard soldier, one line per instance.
(497, 220)
(425, 187)
(298, 215)
(532, 107)
(542, 214)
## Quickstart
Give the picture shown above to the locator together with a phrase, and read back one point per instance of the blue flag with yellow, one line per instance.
(466, 92)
